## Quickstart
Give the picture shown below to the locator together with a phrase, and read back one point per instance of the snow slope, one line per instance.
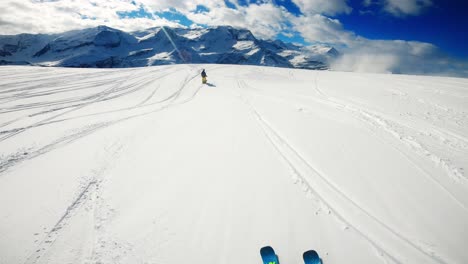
(146, 165)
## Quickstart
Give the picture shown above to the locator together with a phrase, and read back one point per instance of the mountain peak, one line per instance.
(104, 46)
(105, 28)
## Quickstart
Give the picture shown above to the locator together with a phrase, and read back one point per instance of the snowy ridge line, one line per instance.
(298, 164)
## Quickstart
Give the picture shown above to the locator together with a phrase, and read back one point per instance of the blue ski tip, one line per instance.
(268, 255)
(311, 257)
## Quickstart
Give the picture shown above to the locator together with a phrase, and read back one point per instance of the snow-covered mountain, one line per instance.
(106, 47)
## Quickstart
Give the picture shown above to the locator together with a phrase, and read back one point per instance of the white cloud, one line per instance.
(321, 29)
(379, 55)
(328, 7)
(367, 2)
(182, 6)
(382, 56)
(24, 16)
(398, 8)
(265, 19)
(406, 7)
(398, 56)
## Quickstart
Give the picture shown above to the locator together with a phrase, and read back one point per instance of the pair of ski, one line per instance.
(269, 256)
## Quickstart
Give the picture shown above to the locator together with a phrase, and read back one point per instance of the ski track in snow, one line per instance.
(15, 158)
(52, 235)
(308, 175)
(86, 197)
(398, 132)
(96, 98)
(86, 103)
(391, 128)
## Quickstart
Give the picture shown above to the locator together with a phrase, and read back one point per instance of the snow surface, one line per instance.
(147, 165)
(242, 45)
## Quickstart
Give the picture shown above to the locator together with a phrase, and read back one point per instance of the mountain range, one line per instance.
(105, 47)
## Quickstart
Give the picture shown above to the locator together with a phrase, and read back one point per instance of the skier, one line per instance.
(203, 75)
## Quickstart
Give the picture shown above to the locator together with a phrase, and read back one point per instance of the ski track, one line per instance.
(87, 196)
(95, 98)
(296, 161)
(387, 242)
(9, 161)
(410, 143)
(396, 130)
(83, 197)
(16, 158)
(142, 104)
(75, 82)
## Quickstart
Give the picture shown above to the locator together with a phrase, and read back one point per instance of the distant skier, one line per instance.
(203, 76)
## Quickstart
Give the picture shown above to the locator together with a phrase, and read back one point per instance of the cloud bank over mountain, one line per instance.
(313, 21)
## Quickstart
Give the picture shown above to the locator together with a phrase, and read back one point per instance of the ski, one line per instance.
(311, 257)
(268, 255)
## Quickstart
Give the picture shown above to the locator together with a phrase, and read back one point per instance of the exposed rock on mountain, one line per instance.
(105, 47)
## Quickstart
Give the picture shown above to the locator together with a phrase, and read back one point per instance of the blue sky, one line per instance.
(442, 23)
(374, 35)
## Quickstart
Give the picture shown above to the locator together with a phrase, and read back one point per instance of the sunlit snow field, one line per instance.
(147, 165)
